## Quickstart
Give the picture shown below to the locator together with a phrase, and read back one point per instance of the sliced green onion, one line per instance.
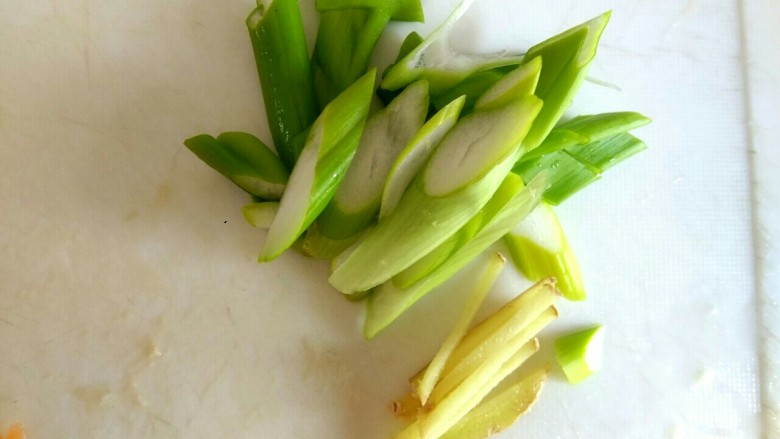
(346, 39)
(539, 249)
(438, 62)
(580, 354)
(282, 60)
(388, 301)
(477, 143)
(243, 159)
(485, 281)
(575, 167)
(357, 201)
(498, 412)
(565, 61)
(319, 246)
(510, 187)
(517, 84)
(260, 215)
(410, 42)
(472, 88)
(583, 130)
(330, 147)
(416, 153)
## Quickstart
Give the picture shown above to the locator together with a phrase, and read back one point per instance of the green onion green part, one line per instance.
(330, 147)
(282, 58)
(539, 249)
(348, 33)
(565, 61)
(243, 159)
(580, 354)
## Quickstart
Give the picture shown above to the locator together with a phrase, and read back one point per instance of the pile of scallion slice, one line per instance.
(402, 180)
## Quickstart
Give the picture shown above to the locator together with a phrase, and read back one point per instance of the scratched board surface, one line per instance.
(131, 305)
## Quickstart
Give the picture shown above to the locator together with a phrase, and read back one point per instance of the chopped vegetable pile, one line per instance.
(465, 150)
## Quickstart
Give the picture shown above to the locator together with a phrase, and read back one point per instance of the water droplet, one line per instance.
(555, 164)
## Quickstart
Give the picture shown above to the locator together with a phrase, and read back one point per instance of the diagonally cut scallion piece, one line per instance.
(565, 61)
(583, 130)
(510, 187)
(580, 354)
(539, 249)
(347, 35)
(575, 167)
(388, 301)
(472, 88)
(357, 201)
(330, 147)
(444, 202)
(282, 58)
(410, 42)
(441, 64)
(416, 153)
(498, 412)
(516, 84)
(260, 215)
(243, 159)
(476, 144)
(432, 374)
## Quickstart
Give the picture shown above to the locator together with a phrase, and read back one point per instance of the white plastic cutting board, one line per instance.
(131, 305)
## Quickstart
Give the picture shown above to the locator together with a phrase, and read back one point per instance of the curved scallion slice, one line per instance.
(330, 147)
(388, 301)
(260, 215)
(539, 249)
(580, 354)
(243, 159)
(437, 61)
(357, 200)
(282, 58)
(416, 154)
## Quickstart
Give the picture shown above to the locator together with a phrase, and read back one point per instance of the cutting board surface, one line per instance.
(131, 304)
